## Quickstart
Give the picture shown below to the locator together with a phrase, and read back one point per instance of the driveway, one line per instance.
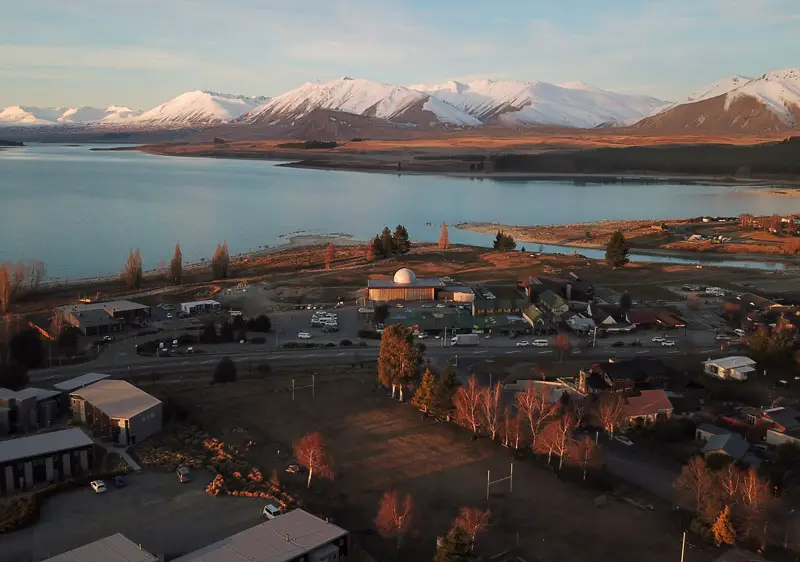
(154, 510)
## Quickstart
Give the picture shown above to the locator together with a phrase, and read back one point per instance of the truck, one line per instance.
(464, 339)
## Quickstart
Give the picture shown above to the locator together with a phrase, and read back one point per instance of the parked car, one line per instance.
(618, 344)
(739, 332)
(723, 337)
(422, 335)
(658, 339)
(184, 474)
(304, 336)
(119, 481)
(98, 486)
(440, 305)
(295, 469)
(108, 339)
(539, 343)
(169, 316)
(522, 343)
(271, 512)
(668, 343)
(624, 440)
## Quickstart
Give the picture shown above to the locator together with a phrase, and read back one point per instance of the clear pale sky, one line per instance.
(142, 52)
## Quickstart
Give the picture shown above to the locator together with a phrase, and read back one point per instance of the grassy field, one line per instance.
(378, 444)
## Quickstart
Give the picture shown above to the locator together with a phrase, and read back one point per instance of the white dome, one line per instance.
(404, 277)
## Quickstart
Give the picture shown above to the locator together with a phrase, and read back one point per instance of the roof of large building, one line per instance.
(281, 539)
(91, 318)
(80, 382)
(785, 417)
(43, 444)
(404, 278)
(732, 362)
(114, 548)
(38, 393)
(117, 399)
(111, 306)
(206, 302)
(650, 402)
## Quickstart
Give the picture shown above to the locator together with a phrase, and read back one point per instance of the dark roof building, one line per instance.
(114, 548)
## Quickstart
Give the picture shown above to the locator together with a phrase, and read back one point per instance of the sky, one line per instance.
(141, 53)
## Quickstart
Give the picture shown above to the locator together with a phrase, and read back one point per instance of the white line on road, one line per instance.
(513, 351)
(207, 362)
(341, 354)
(478, 352)
(185, 363)
(275, 356)
(546, 351)
(577, 352)
(644, 351)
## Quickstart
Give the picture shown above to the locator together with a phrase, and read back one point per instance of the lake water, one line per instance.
(81, 211)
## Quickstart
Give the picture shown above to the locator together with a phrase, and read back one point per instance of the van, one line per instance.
(739, 332)
(271, 512)
(539, 343)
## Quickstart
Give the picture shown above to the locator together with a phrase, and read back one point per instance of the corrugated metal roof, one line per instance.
(279, 540)
(389, 284)
(80, 382)
(43, 444)
(732, 362)
(110, 306)
(39, 393)
(115, 548)
(117, 399)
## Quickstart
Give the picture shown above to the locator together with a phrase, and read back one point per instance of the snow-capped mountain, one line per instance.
(43, 116)
(770, 103)
(572, 104)
(360, 97)
(200, 107)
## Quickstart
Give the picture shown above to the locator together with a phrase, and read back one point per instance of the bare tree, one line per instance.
(533, 404)
(756, 500)
(6, 287)
(394, 517)
(162, 268)
(444, 237)
(330, 255)
(35, 271)
(176, 266)
(512, 429)
(490, 408)
(473, 520)
(610, 412)
(566, 425)
(549, 440)
(562, 345)
(132, 272)
(310, 452)
(467, 401)
(585, 453)
(695, 482)
(221, 261)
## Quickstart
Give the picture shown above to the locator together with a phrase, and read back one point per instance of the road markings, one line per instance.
(577, 352)
(275, 356)
(644, 351)
(185, 363)
(341, 354)
(513, 351)
(546, 351)
(207, 362)
(478, 352)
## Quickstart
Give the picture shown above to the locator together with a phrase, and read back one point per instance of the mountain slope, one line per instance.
(360, 97)
(770, 103)
(39, 116)
(573, 104)
(718, 88)
(200, 107)
(30, 115)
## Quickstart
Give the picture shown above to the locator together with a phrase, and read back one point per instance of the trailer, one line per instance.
(465, 339)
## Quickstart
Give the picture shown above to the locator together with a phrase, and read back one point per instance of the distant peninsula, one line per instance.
(11, 143)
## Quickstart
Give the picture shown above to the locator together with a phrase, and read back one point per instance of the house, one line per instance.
(647, 407)
(45, 457)
(76, 383)
(92, 322)
(781, 419)
(735, 367)
(118, 411)
(607, 296)
(608, 317)
(571, 287)
(580, 323)
(291, 537)
(533, 316)
(625, 376)
(705, 431)
(114, 548)
(642, 319)
(200, 307)
(553, 304)
(729, 444)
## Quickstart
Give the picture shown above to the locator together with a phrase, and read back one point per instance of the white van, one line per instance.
(739, 332)
(304, 336)
(539, 343)
(271, 512)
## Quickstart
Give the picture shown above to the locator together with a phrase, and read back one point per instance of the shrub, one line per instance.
(258, 339)
(290, 345)
(369, 335)
(225, 371)
(345, 343)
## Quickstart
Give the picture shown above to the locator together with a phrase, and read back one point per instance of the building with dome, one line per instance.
(404, 286)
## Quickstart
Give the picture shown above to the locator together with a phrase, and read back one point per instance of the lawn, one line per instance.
(378, 444)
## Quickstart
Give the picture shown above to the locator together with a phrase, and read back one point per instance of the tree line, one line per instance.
(17, 280)
(132, 273)
(387, 243)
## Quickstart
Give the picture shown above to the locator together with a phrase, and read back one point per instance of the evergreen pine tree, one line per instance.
(377, 247)
(387, 242)
(455, 547)
(402, 244)
(443, 392)
(423, 397)
(617, 250)
(176, 266)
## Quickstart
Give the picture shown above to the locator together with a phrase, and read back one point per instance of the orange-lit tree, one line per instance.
(533, 405)
(311, 453)
(695, 483)
(444, 237)
(473, 520)
(397, 362)
(584, 453)
(512, 429)
(490, 409)
(394, 516)
(467, 401)
(330, 255)
(610, 413)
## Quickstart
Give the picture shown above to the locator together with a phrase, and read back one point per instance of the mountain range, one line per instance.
(349, 106)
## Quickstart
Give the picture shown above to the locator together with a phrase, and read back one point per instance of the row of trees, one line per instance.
(17, 279)
(389, 243)
(731, 502)
(132, 273)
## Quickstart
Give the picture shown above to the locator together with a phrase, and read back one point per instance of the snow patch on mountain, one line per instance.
(718, 88)
(573, 104)
(199, 107)
(30, 115)
(44, 116)
(360, 97)
(779, 91)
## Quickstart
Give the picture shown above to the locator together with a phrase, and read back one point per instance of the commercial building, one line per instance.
(118, 411)
(45, 457)
(114, 548)
(200, 307)
(103, 317)
(71, 385)
(27, 409)
(736, 368)
(292, 537)
(404, 286)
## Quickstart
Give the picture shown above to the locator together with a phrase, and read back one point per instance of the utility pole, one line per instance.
(683, 546)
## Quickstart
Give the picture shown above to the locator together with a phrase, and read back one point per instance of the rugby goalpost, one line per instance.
(312, 386)
(489, 481)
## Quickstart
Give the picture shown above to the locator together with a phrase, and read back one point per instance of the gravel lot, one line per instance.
(165, 517)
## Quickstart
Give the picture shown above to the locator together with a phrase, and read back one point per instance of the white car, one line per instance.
(658, 339)
(522, 343)
(304, 336)
(169, 316)
(624, 440)
(440, 305)
(668, 343)
(98, 486)
(426, 306)
(422, 335)
(539, 343)
(723, 337)
(271, 512)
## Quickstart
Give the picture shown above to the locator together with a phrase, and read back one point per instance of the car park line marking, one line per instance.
(513, 351)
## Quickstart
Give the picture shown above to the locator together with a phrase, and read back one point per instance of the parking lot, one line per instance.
(154, 509)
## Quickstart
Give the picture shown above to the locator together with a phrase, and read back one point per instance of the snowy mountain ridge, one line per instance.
(199, 107)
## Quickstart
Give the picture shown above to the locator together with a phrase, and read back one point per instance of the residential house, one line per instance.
(778, 438)
(534, 317)
(647, 407)
(781, 418)
(705, 431)
(553, 304)
(729, 444)
(625, 376)
(735, 367)
(609, 318)
(571, 287)
(580, 323)
(607, 296)
(92, 322)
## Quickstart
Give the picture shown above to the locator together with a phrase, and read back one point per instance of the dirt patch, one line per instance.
(378, 444)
